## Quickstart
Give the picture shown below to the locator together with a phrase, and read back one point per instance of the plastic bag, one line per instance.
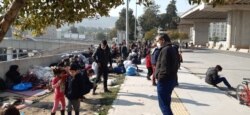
(22, 86)
(118, 70)
(42, 73)
(127, 63)
(143, 61)
(131, 71)
(95, 67)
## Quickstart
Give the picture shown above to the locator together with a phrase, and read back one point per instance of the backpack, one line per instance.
(87, 84)
(2, 85)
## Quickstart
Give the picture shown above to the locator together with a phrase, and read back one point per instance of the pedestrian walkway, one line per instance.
(193, 96)
(137, 96)
(200, 98)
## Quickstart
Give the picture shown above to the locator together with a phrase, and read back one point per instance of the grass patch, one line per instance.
(108, 98)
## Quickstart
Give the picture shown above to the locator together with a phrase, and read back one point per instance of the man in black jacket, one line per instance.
(213, 78)
(102, 57)
(166, 72)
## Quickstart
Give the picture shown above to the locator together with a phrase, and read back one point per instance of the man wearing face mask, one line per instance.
(102, 57)
(166, 73)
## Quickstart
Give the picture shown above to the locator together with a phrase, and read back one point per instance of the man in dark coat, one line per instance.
(102, 57)
(166, 73)
(213, 78)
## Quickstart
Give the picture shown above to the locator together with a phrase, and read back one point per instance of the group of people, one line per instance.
(163, 58)
(72, 79)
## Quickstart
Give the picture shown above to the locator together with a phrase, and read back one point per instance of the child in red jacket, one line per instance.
(58, 86)
(149, 65)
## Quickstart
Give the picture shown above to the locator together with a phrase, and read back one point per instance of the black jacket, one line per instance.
(73, 87)
(87, 84)
(211, 75)
(102, 56)
(13, 76)
(167, 64)
(154, 56)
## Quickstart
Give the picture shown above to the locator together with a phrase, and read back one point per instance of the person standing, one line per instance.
(154, 57)
(58, 86)
(149, 65)
(102, 57)
(73, 89)
(124, 51)
(166, 73)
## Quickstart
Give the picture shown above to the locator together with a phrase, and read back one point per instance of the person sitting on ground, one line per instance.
(9, 110)
(213, 78)
(13, 76)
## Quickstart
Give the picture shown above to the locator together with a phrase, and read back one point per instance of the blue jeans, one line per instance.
(164, 90)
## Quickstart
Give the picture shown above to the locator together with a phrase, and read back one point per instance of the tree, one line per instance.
(149, 19)
(121, 22)
(213, 2)
(73, 29)
(149, 35)
(36, 15)
(173, 34)
(113, 33)
(171, 15)
(183, 36)
(81, 29)
(100, 36)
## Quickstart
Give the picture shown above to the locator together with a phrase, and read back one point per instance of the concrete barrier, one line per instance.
(244, 50)
(233, 49)
(25, 64)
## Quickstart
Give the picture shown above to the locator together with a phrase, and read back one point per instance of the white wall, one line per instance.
(25, 64)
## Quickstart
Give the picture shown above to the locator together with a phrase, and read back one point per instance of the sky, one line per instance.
(182, 6)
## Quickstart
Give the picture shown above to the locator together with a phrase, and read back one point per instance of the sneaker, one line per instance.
(154, 84)
(231, 88)
(177, 84)
(107, 91)
(94, 88)
(148, 78)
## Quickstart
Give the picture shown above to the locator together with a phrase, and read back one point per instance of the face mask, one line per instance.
(158, 45)
(103, 47)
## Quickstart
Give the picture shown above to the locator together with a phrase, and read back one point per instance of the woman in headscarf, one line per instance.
(13, 76)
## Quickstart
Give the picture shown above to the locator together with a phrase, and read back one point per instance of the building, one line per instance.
(218, 30)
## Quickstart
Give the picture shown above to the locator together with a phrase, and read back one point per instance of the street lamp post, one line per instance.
(135, 20)
(127, 23)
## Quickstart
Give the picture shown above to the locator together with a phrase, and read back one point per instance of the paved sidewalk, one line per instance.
(137, 96)
(200, 98)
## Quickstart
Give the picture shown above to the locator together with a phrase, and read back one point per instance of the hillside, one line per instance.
(102, 22)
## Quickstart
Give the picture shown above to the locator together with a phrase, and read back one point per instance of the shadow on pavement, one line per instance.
(189, 101)
(43, 105)
(152, 97)
(126, 103)
(203, 88)
(226, 69)
(191, 62)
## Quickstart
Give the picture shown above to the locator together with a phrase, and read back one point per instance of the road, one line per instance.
(236, 66)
